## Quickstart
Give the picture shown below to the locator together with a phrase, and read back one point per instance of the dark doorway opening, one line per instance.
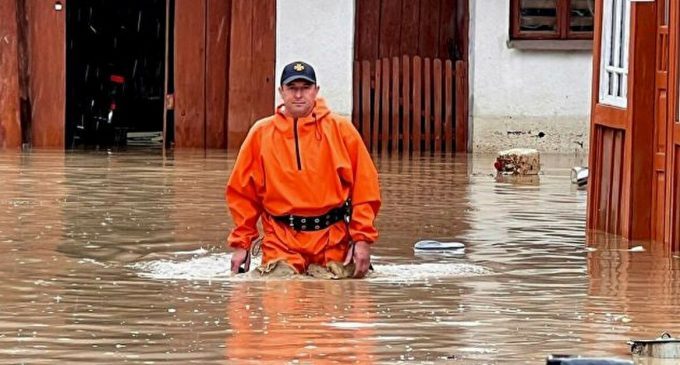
(115, 72)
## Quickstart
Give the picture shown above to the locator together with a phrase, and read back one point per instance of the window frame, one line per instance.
(563, 32)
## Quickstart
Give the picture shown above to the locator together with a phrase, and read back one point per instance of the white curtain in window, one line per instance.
(614, 52)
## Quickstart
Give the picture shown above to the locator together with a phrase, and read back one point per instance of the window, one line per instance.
(614, 53)
(552, 19)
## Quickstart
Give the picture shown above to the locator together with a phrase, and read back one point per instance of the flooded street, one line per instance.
(120, 257)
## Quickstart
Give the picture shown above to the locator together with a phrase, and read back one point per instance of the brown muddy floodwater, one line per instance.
(120, 257)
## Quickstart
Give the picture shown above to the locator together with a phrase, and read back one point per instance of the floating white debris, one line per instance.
(432, 245)
(637, 249)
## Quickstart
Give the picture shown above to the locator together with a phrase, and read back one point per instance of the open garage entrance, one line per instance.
(115, 72)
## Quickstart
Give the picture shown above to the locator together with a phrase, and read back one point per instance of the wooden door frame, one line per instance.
(673, 129)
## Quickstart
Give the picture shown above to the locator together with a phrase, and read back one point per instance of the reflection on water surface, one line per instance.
(119, 257)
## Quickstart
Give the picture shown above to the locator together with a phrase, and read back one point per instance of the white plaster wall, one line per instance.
(524, 92)
(320, 32)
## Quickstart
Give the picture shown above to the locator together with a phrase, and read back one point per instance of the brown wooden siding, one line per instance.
(47, 67)
(190, 81)
(217, 72)
(10, 126)
(224, 70)
(251, 66)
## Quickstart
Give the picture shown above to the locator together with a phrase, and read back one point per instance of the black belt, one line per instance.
(316, 223)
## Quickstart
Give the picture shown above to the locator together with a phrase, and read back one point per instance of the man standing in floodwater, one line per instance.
(307, 174)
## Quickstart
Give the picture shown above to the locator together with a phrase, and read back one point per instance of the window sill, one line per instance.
(551, 45)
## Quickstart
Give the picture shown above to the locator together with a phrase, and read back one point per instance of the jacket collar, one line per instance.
(284, 123)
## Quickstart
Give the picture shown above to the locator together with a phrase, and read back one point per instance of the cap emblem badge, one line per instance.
(299, 67)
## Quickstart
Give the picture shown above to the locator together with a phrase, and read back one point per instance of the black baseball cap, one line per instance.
(298, 71)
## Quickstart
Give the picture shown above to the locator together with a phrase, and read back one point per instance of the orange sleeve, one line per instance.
(365, 190)
(242, 194)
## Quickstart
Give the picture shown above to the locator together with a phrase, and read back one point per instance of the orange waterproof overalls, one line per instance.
(304, 167)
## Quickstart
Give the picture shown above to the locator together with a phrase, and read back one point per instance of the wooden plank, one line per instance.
(617, 175)
(449, 101)
(462, 30)
(603, 222)
(410, 18)
(427, 101)
(375, 122)
(47, 67)
(675, 193)
(10, 124)
(264, 59)
(366, 102)
(190, 38)
(390, 26)
(429, 28)
(385, 112)
(406, 104)
(357, 106)
(446, 48)
(461, 108)
(437, 110)
(219, 17)
(240, 70)
(367, 21)
(417, 102)
(395, 105)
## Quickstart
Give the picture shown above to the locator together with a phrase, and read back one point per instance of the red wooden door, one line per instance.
(621, 130)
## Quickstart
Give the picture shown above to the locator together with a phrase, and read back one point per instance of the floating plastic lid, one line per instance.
(432, 245)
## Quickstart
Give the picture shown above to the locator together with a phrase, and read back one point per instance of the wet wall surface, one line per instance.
(112, 257)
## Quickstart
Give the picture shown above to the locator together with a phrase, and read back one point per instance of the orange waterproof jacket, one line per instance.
(303, 167)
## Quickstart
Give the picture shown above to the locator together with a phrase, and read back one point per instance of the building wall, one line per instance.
(320, 32)
(517, 94)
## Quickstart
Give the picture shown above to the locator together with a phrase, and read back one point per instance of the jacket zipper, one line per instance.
(297, 145)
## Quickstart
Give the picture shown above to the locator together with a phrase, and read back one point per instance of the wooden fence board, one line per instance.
(376, 106)
(417, 102)
(461, 127)
(356, 94)
(406, 105)
(427, 101)
(437, 105)
(385, 113)
(366, 102)
(394, 130)
(448, 107)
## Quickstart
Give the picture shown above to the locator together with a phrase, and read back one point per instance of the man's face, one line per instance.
(298, 97)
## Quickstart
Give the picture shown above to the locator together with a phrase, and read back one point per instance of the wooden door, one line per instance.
(410, 74)
(622, 131)
(224, 69)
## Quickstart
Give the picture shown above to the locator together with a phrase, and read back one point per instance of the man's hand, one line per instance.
(238, 258)
(362, 258)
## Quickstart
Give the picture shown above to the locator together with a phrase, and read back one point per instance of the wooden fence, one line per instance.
(411, 104)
